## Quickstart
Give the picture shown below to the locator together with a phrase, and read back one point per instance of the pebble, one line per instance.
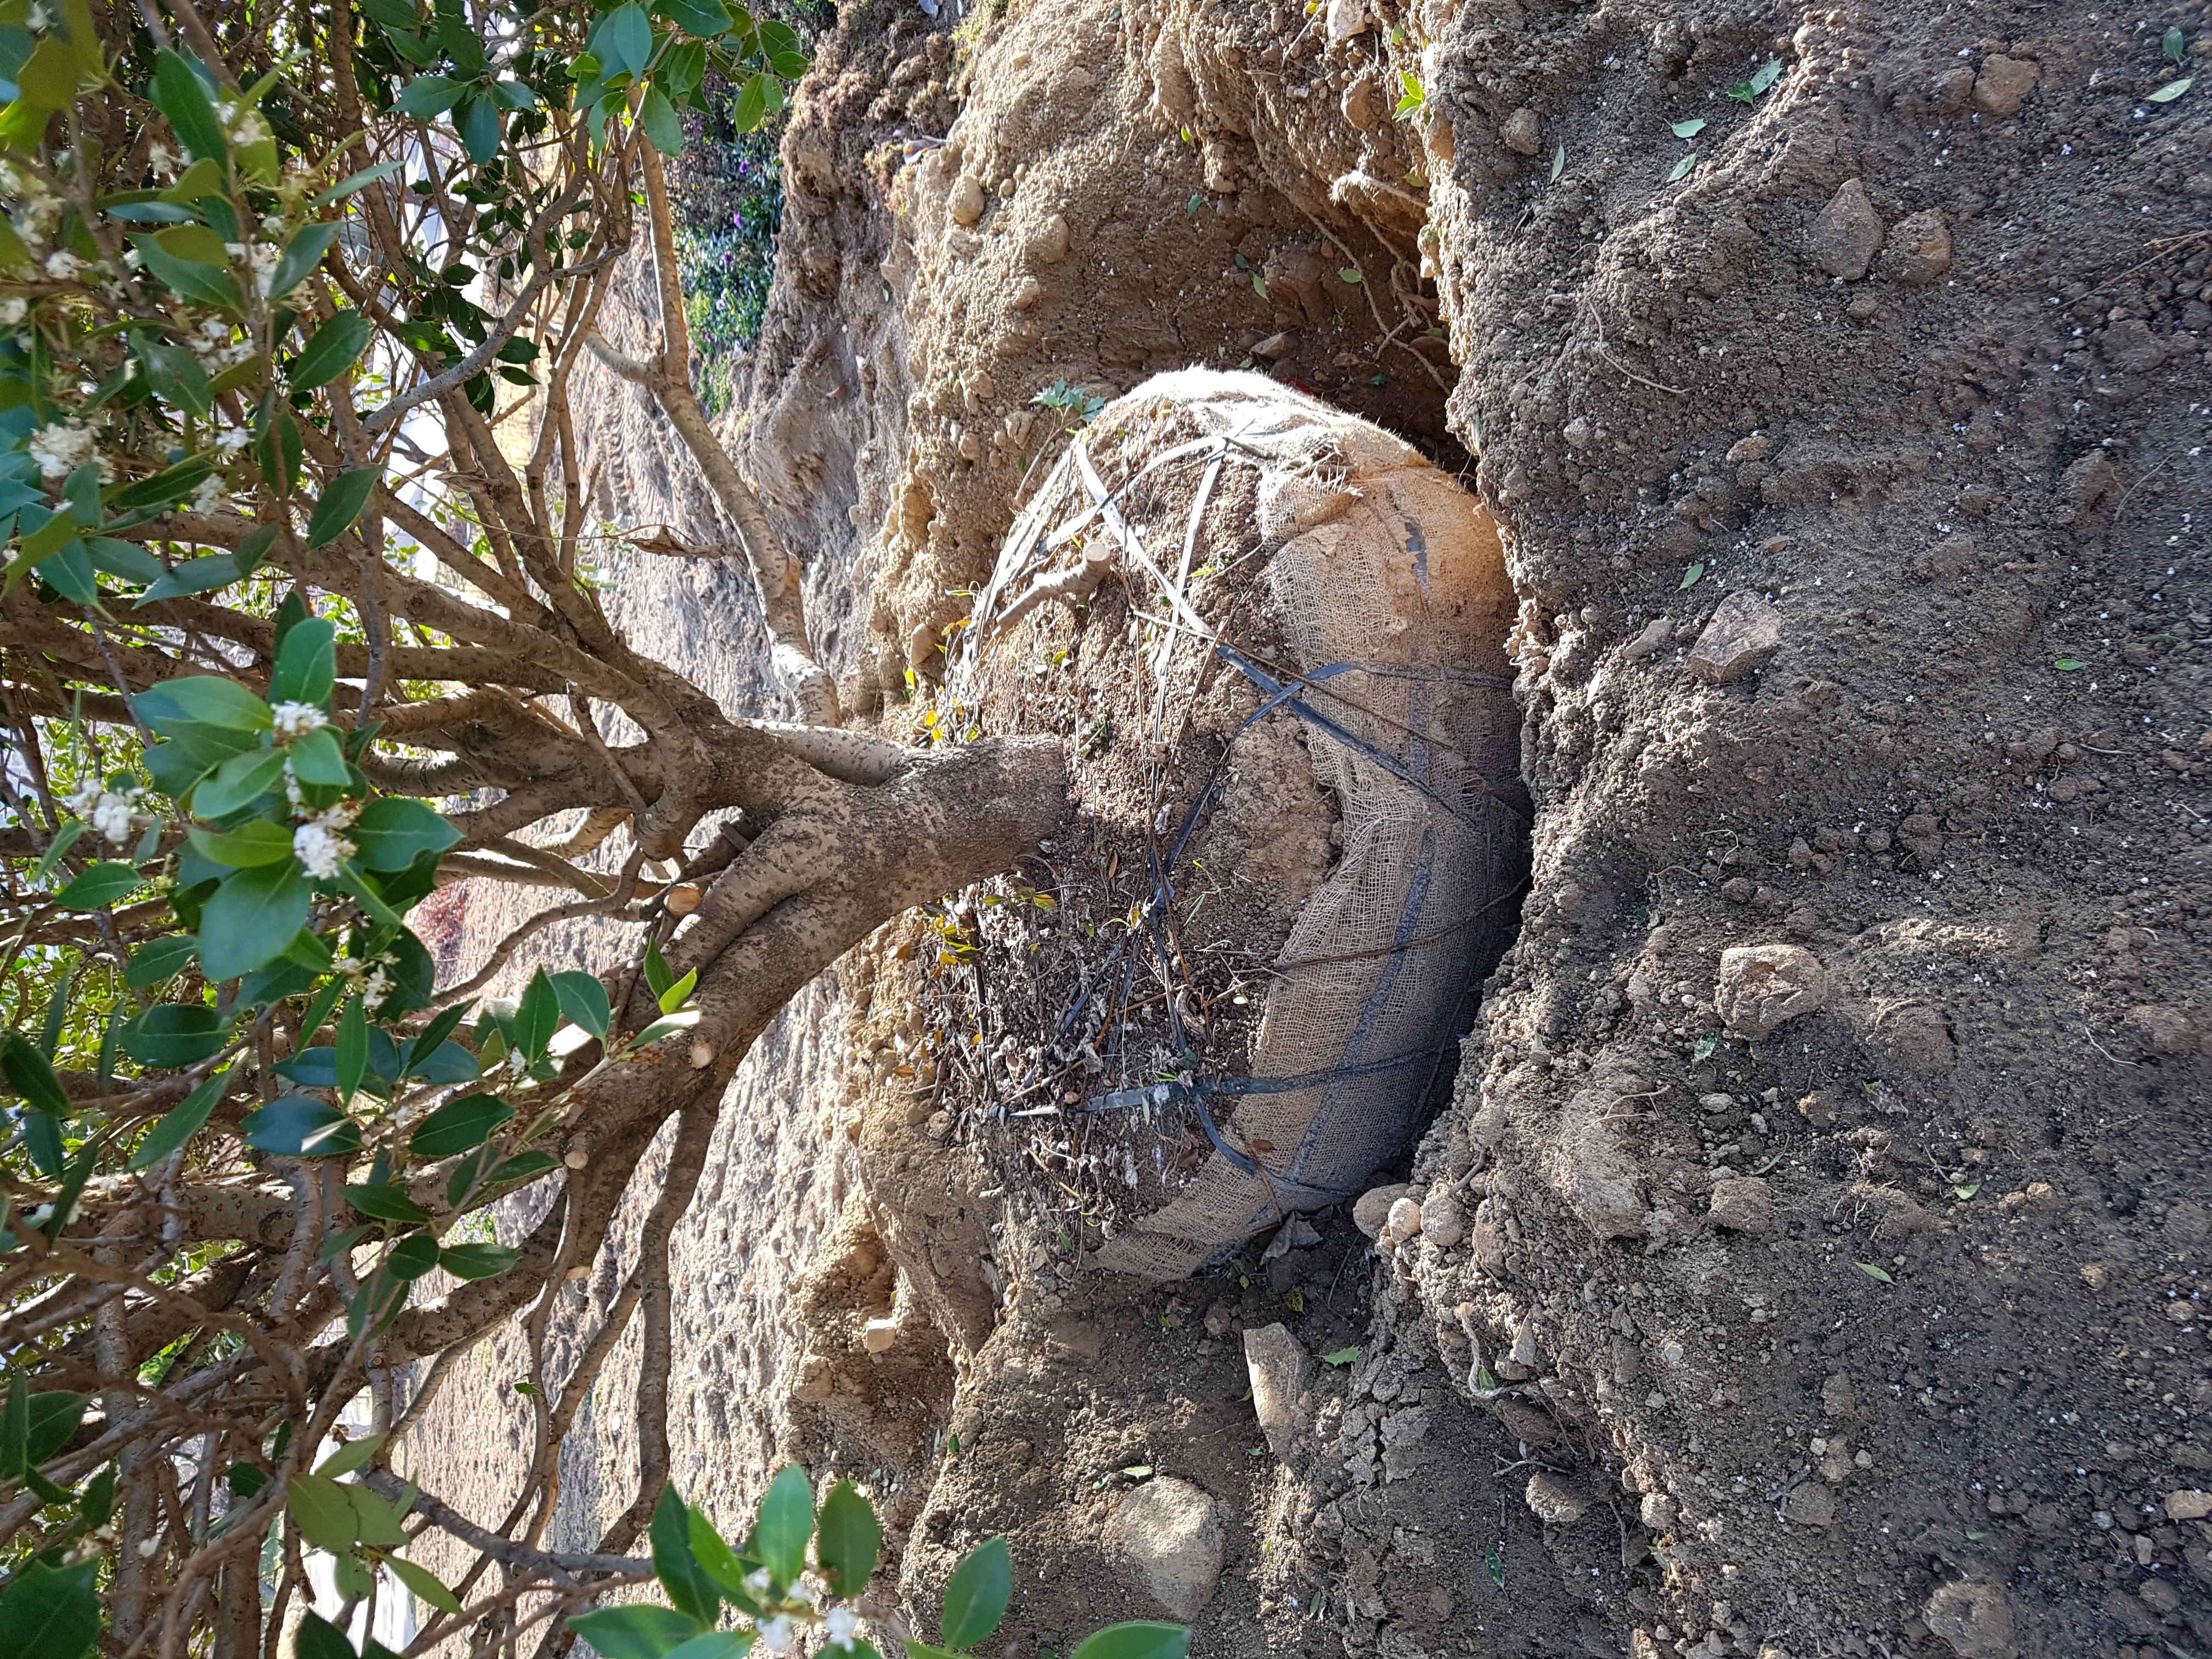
(1812, 1505)
(1555, 1502)
(1373, 1210)
(1657, 635)
(1280, 1371)
(1843, 240)
(1744, 631)
(1918, 250)
(2003, 85)
(1743, 1205)
(1345, 18)
(965, 201)
(1168, 1534)
(1275, 345)
(1028, 293)
(879, 1335)
(1520, 132)
(1048, 245)
(2189, 1503)
(2160, 1028)
(1763, 986)
(1361, 104)
(1403, 1223)
(1657, 1511)
(1444, 1221)
(1975, 1618)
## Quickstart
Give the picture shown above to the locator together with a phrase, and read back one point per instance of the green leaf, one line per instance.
(1691, 577)
(170, 1035)
(720, 1563)
(673, 998)
(424, 1583)
(583, 1000)
(1139, 1639)
(848, 1539)
(478, 1261)
(2174, 43)
(318, 758)
(708, 19)
(386, 1201)
(125, 560)
(15, 1429)
(634, 1633)
(658, 117)
(255, 842)
(1703, 1049)
(2069, 664)
(687, 1583)
(342, 502)
(205, 575)
(1769, 73)
(659, 976)
(179, 93)
(51, 1611)
(351, 1456)
(976, 1594)
(307, 663)
(1350, 274)
(1689, 128)
(52, 1418)
(180, 1122)
(1682, 168)
(458, 1126)
(480, 124)
(1497, 1567)
(201, 700)
(1965, 1193)
(624, 39)
(536, 1017)
(1558, 163)
(429, 94)
(57, 848)
(325, 1514)
(667, 1028)
(785, 1522)
(294, 1126)
(335, 347)
(1341, 1356)
(725, 1644)
(392, 832)
(188, 278)
(29, 1075)
(99, 887)
(239, 781)
(252, 916)
(353, 1052)
(412, 1257)
(2173, 89)
(161, 960)
(752, 107)
(1875, 1273)
(352, 182)
(301, 255)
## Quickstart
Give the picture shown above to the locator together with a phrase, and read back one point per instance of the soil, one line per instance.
(1845, 1299)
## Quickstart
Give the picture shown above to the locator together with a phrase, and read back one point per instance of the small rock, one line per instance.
(1275, 345)
(1577, 433)
(1404, 1222)
(1918, 250)
(1361, 104)
(1373, 1210)
(1556, 1504)
(965, 201)
(1743, 1205)
(1812, 1505)
(2129, 346)
(1048, 245)
(2003, 85)
(1974, 1618)
(1756, 447)
(879, 1335)
(1657, 1511)
(1843, 240)
(1744, 632)
(1028, 294)
(2161, 1597)
(2188, 1505)
(2158, 1028)
(1345, 19)
(1762, 986)
(1444, 1221)
(1220, 1316)
(1168, 1534)
(1657, 635)
(1520, 133)
(1839, 1399)
(2187, 1225)
(1923, 835)
(1280, 1371)
(938, 1126)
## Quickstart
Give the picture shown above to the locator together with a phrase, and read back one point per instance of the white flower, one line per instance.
(293, 794)
(15, 308)
(60, 449)
(838, 1625)
(320, 849)
(62, 265)
(776, 1633)
(210, 496)
(805, 1594)
(163, 159)
(231, 438)
(263, 259)
(296, 719)
(39, 20)
(243, 121)
(757, 1584)
(375, 987)
(111, 816)
(84, 797)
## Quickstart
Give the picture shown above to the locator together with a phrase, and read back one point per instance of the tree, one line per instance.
(299, 551)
